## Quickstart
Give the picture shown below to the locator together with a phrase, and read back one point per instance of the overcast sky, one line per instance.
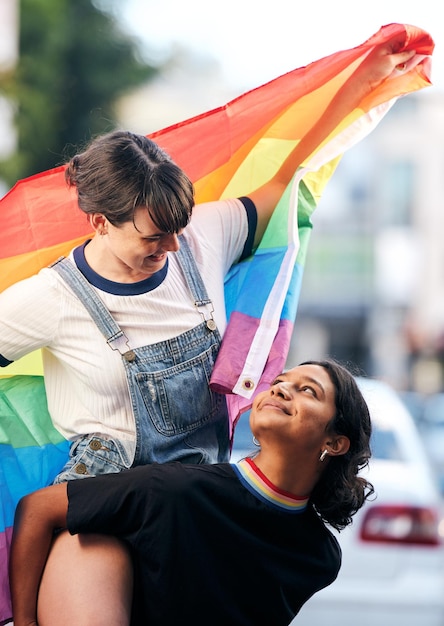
(257, 40)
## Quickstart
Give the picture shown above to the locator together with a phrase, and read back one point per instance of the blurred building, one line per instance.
(9, 49)
(188, 85)
(9, 44)
(373, 291)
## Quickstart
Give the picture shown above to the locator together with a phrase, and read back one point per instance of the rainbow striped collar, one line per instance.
(259, 485)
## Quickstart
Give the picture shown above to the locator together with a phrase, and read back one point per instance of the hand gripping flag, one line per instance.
(227, 152)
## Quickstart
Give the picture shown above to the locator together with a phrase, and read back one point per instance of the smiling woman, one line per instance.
(324, 411)
(293, 421)
(250, 546)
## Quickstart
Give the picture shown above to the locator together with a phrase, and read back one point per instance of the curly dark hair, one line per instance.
(122, 171)
(341, 492)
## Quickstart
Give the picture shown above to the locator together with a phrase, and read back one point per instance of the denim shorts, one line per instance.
(91, 455)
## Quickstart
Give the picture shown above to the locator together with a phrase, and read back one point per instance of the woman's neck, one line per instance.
(109, 267)
(296, 477)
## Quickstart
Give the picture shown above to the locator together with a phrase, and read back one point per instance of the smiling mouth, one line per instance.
(157, 257)
(274, 405)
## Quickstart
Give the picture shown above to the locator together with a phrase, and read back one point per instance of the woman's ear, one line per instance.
(338, 445)
(98, 222)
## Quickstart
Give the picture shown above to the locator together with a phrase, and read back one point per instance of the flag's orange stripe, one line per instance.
(21, 266)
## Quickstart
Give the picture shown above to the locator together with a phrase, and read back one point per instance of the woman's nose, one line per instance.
(171, 242)
(283, 389)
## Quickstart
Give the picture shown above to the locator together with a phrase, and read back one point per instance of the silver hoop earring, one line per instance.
(256, 442)
(323, 455)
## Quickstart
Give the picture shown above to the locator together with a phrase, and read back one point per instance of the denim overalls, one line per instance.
(177, 416)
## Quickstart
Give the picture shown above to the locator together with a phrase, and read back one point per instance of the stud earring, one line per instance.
(323, 455)
(256, 442)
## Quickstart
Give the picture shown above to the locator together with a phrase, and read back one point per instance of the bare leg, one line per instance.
(88, 580)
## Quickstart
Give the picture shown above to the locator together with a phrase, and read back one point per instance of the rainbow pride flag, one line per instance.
(227, 152)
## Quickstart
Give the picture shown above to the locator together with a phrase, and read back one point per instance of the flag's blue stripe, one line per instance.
(292, 298)
(248, 285)
(261, 273)
(23, 470)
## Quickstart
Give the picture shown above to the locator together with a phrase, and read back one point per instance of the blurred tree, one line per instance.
(73, 65)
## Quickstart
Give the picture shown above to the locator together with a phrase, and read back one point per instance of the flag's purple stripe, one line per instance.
(5, 600)
(237, 404)
(232, 359)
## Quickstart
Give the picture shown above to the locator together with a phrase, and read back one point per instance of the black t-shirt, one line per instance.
(208, 550)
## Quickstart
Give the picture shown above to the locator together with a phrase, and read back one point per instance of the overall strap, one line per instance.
(107, 325)
(195, 283)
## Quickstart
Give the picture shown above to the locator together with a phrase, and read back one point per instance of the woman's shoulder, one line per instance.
(32, 286)
(225, 210)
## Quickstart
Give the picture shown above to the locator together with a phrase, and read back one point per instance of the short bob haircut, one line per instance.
(120, 172)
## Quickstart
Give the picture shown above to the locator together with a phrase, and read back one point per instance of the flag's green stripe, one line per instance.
(24, 417)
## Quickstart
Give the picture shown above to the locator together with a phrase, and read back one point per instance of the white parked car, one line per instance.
(431, 427)
(393, 554)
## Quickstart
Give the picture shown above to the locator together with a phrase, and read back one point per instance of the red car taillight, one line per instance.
(401, 524)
